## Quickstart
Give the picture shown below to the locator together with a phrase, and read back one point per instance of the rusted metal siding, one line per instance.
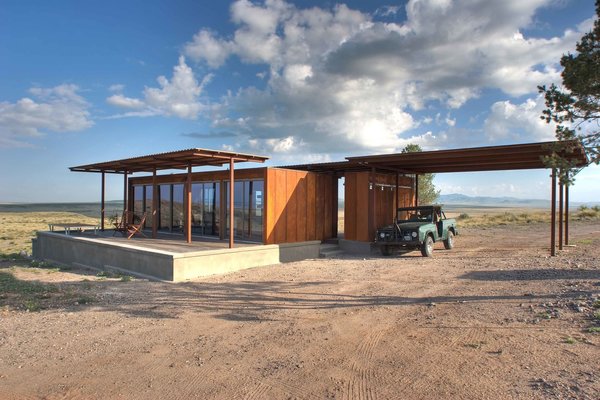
(360, 223)
(298, 206)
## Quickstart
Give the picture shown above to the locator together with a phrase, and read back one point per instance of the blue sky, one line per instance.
(301, 82)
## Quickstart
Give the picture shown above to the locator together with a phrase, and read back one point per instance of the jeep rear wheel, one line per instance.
(427, 246)
(386, 250)
(449, 242)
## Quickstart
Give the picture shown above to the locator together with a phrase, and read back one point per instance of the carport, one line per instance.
(476, 159)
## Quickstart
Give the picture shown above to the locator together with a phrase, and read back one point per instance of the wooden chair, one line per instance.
(121, 225)
(136, 229)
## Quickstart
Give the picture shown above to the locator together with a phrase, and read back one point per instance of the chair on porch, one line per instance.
(127, 227)
(136, 229)
(121, 224)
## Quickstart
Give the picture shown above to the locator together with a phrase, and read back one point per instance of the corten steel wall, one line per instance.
(359, 200)
(299, 206)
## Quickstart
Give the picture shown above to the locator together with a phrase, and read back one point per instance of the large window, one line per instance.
(248, 209)
(178, 209)
(205, 208)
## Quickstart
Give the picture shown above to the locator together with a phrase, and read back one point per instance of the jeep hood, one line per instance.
(412, 225)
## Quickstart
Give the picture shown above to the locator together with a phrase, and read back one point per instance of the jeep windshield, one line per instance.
(416, 214)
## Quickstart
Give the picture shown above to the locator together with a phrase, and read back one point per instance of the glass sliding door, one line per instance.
(148, 205)
(165, 214)
(138, 201)
(178, 208)
(248, 210)
(205, 208)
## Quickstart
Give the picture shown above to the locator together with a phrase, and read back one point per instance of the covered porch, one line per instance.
(182, 159)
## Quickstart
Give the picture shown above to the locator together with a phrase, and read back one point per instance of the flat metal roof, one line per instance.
(490, 158)
(180, 159)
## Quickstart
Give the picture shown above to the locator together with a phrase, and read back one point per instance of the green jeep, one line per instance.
(417, 228)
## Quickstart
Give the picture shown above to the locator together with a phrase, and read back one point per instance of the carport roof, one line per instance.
(490, 158)
(180, 159)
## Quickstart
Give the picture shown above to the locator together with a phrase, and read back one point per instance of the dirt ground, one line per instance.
(495, 318)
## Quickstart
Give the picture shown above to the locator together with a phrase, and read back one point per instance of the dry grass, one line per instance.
(523, 217)
(17, 229)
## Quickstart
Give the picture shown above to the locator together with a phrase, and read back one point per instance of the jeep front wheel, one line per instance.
(386, 251)
(427, 246)
(449, 242)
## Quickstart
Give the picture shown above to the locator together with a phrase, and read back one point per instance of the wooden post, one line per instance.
(553, 215)
(188, 205)
(334, 205)
(102, 196)
(154, 205)
(251, 184)
(566, 215)
(231, 203)
(560, 214)
(125, 190)
(416, 190)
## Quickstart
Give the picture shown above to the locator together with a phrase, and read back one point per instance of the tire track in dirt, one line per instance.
(296, 391)
(360, 386)
(258, 392)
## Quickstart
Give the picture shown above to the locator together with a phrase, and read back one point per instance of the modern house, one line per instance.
(279, 213)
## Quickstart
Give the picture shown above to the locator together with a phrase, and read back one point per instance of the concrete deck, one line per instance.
(167, 257)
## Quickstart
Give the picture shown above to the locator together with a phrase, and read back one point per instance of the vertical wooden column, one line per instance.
(566, 215)
(125, 187)
(553, 215)
(102, 197)
(416, 190)
(231, 204)
(561, 195)
(154, 205)
(188, 205)
(334, 205)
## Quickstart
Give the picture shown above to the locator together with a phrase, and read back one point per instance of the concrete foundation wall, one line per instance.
(106, 255)
(357, 247)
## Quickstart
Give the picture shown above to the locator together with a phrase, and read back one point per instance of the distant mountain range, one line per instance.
(455, 199)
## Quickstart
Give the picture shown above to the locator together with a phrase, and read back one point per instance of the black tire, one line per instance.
(449, 242)
(387, 250)
(427, 246)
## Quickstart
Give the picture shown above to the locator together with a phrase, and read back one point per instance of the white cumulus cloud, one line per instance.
(57, 109)
(509, 122)
(179, 96)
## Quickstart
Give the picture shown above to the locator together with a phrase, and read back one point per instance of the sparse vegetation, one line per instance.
(18, 228)
(23, 294)
(521, 217)
(570, 340)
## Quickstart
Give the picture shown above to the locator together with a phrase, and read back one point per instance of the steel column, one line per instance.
(231, 204)
(416, 190)
(188, 205)
(553, 215)
(335, 206)
(102, 196)
(566, 215)
(561, 194)
(125, 188)
(154, 205)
